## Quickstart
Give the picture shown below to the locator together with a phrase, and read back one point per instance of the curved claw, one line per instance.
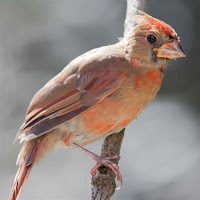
(94, 169)
(107, 163)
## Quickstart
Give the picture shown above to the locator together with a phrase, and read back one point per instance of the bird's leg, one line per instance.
(101, 161)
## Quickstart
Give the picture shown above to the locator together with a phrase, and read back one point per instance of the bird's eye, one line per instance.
(171, 37)
(151, 38)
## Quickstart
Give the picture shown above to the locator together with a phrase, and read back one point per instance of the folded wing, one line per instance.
(68, 95)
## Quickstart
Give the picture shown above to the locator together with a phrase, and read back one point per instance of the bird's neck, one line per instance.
(136, 56)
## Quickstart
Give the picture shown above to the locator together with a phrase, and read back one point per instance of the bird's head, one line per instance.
(154, 40)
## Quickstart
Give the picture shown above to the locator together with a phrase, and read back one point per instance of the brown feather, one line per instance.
(25, 168)
(84, 91)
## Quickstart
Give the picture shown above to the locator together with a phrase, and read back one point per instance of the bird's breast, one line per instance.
(117, 110)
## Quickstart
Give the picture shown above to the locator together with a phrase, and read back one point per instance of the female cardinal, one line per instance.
(97, 94)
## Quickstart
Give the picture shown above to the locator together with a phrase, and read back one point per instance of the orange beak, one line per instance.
(170, 50)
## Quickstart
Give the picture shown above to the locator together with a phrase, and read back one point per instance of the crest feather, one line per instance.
(147, 22)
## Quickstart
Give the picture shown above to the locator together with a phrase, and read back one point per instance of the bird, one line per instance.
(97, 94)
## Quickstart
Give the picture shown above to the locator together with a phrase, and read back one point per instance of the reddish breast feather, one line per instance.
(116, 112)
(100, 118)
(153, 75)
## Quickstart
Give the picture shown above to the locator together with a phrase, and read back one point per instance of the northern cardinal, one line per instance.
(97, 94)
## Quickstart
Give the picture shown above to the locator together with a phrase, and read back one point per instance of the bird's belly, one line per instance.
(109, 116)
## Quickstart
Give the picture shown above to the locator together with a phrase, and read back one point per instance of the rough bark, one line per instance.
(103, 183)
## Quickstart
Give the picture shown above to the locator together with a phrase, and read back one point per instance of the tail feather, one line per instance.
(24, 170)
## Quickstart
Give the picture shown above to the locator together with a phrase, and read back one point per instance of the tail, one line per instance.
(31, 150)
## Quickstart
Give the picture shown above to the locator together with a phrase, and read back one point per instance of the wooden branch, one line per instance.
(103, 182)
(132, 6)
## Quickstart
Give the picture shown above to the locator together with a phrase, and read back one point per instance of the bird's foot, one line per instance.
(101, 161)
(107, 163)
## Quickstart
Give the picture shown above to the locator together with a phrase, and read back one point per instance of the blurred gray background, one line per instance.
(161, 149)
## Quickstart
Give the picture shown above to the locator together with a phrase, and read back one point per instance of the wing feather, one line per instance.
(70, 93)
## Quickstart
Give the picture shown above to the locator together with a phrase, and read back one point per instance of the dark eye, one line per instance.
(151, 38)
(171, 37)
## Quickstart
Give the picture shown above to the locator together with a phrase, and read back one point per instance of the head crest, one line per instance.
(147, 22)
